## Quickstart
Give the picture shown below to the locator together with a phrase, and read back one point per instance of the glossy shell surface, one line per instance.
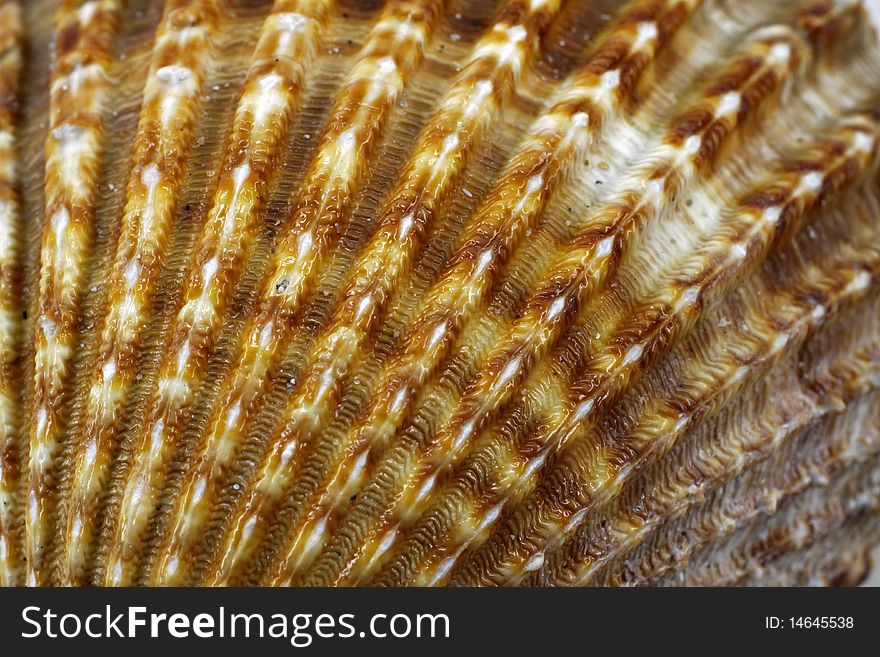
(425, 292)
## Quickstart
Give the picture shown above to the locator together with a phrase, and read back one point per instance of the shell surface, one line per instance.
(423, 292)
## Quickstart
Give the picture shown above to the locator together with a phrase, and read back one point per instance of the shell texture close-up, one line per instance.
(439, 292)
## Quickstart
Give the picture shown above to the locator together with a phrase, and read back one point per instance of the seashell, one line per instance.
(424, 292)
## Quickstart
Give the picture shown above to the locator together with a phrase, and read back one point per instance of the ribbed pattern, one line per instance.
(10, 296)
(426, 292)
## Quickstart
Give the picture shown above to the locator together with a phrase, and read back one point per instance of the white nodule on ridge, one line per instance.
(739, 374)
(266, 334)
(303, 245)
(346, 148)
(249, 526)
(556, 308)
(863, 142)
(484, 88)
(633, 354)
(604, 247)
(91, 451)
(87, 12)
(316, 535)
(41, 455)
(156, 436)
(364, 306)
(574, 521)
(199, 490)
(48, 327)
(172, 565)
(289, 451)
(509, 371)
(108, 370)
(610, 79)
(386, 65)
(692, 144)
(386, 542)
(399, 401)
(645, 32)
(359, 466)
(183, 356)
(729, 103)
(580, 120)
(240, 175)
(291, 20)
(491, 516)
(483, 262)
(780, 53)
(68, 133)
(688, 297)
(534, 563)
(654, 190)
(116, 573)
(516, 33)
(406, 225)
(151, 175)
(771, 215)
(779, 342)
(60, 221)
(535, 184)
(233, 414)
(443, 569)
(858, 283)
(534, 465)
(174, 74)
(426, 487)
(209, 270)
(810, 182)
(33, 508)
(437, 335)
(131, 273)
(464, 434)
(450, 143)
(583, 409)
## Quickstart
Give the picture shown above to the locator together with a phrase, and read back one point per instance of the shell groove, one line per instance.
(423, 292)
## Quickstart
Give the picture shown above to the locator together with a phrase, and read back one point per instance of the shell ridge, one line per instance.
(11, 323)
(80, 83)
(437, 162)
(165, 133)
(334, 177)
(541, 318)
(767, 347)
(584, 104)
(261, 120)
(705, 466)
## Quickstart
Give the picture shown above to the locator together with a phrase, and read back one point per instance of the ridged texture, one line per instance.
(426, 292)
(10, 297)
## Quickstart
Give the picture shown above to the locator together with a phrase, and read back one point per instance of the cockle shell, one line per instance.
(428, 292)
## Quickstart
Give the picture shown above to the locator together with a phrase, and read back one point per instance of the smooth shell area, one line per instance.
(439, 292)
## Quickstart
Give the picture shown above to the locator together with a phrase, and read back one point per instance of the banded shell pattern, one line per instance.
(425, 292)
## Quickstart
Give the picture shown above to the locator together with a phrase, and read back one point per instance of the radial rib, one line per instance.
(286, 46)
(392, 52)
(11, 448)
(436, 166)
(85, 32)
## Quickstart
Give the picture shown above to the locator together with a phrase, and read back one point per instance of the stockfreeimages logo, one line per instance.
(299, 629)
